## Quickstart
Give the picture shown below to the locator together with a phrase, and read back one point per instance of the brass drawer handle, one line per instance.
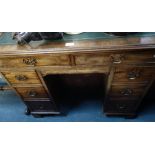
(133, 75)
(30, 61)
(127, 92)
(117, 59)
(21, 77)
(32, 93)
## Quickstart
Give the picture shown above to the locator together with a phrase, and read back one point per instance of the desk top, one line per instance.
(85, 41)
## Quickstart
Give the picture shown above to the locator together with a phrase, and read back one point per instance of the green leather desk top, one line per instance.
(6, 38)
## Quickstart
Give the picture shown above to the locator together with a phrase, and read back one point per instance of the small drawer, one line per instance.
(93, 59)
(133, 74)
(32, 92)
(48, 60)
(121, 106)
(41, 106)
(127, 91)
(25, 77)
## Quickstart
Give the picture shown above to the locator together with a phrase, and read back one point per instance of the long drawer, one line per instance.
(32, 92)
(24, 77)
(115, 58)
(25, 61)
(133, 74)
(139, 57)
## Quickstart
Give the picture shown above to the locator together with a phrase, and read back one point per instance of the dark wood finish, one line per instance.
(41, 107)
(143, 57)
(121, 106)
(127, 63)
(127, 91)
(133, 74)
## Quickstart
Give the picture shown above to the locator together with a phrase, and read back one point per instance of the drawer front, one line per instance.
(32, 92)
(133, 58)
(22, 77)
(34, 61)
(40, 106)
(139, 57)
(92, 59)
(121, 106)
(133, 74)
(118, 58)
(127, 91)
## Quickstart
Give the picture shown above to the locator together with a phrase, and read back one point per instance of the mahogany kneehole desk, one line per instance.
(121, 71)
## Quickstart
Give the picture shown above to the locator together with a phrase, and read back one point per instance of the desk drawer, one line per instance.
(92, 59)
(140, 57)
(133, 58)
(118, 58)
(32, 92)
(47, 60)
(133, 74)
(45, 106)
(25, 77)
(127, 91)
(121, 106)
